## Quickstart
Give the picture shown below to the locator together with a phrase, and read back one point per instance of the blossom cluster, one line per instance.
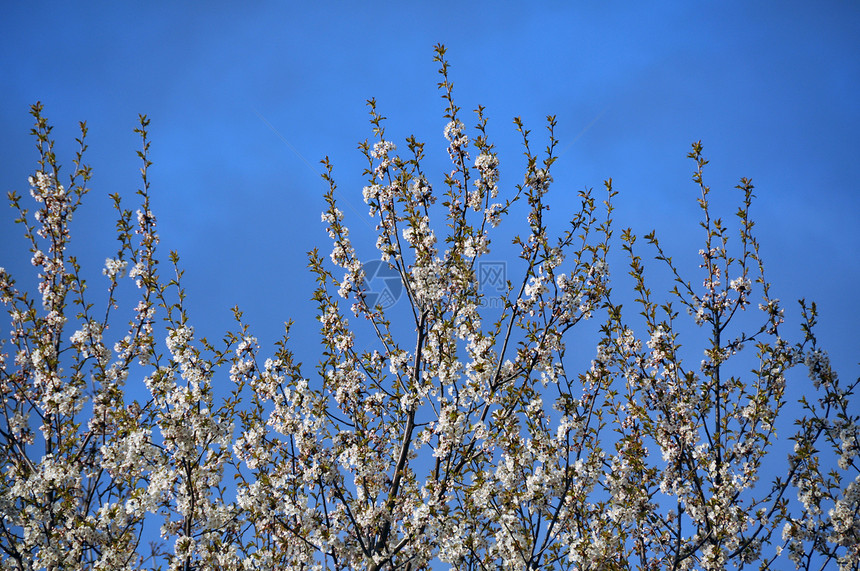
(436, 431)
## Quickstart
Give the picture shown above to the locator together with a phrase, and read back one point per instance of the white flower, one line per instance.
(382, 148)
(741, 284)
(540, 180)
(486, 162)
(453, 130)
(114, 268)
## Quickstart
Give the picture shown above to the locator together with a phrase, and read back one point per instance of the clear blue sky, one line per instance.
(771, 89)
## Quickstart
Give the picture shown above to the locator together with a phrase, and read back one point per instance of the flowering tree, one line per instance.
(452, 429)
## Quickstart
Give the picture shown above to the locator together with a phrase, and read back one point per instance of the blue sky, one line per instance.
(771, 90)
